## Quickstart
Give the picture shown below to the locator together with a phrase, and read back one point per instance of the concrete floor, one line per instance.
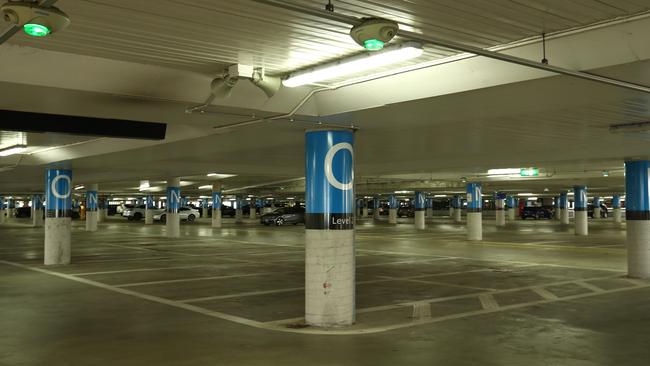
(530, 293)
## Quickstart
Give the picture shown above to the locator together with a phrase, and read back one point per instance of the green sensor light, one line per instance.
(36, 30)
(373, 44)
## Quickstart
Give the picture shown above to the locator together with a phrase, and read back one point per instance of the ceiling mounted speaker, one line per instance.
(269, 84)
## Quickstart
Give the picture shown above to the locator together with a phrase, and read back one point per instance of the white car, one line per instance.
(188, 214)
(133, 212)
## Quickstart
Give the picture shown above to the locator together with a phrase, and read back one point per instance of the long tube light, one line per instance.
(355, 64)
(11, 150)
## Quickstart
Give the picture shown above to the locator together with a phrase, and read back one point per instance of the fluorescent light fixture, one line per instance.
(440, 196)
(144, 185)
(403, 192)
(220, 176)
(291, 198)
(12, 150)
(355, 64)
(205, 187)
(532, 198)
(504, 171)
(525, 194)
(78, 188)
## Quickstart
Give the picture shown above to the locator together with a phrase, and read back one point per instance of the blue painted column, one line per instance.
(637, 214)
(205, 204)
(457, 204)
(420, 207)
(172, 217)
(216, 205)
(91, 208)
(580, 209)
(149, 207)
(38, 218)
(616, 205)
(239, 213)
(3, 210)
(511, 208)
(596, 205)
(474, 212)
(564, 208)
(376, 206)
(556, 208)
(11, 208)
(429, 212)
(58, 212)
(329, 223)
(393, 205)
(499, 206)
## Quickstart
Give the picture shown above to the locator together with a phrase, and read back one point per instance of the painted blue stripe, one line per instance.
(580, 197)
(420, 200)
(474, 196)
(616, 201)
(637, 186)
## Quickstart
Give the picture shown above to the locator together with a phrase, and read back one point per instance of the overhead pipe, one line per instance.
(462, 47)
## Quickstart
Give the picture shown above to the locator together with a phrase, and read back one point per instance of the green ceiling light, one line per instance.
(36, 30)
(373, 44)
(529, 172)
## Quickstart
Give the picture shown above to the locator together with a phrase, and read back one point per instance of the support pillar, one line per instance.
(637, 214)
(253, 206)
(149, 206)
(392, 209)
(364, 208)
(38, 219)
(216, 205)
(172, 217)
(458, 209)
(102, 209)
(3, 210)
(580, 209)
(238, 211)
(58, 216)
(11, 209)
(474, 212)
(329, 224)
(616, 204)
(429, 208)
(420, 203)
(557, 211)
(596, 204)
(91, 208)
(511, 208)
(451, 208)
(499, 203)
(375, 208)
(564, 209)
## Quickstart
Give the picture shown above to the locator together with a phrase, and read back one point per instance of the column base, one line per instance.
(581, 222)
(458, 215)
(37, 219)
(329, 278)
(596, 213)
(564, 216)
(501, 218)
(618, 217)
(238, 216)
(216, 218)
(392, 216)
(173, 225)
(57, 241)
(91, 220)
(148, 217)
(475, 226)
(638, 248)
(419, 220)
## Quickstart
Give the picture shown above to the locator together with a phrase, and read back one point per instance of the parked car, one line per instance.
(134, 212)
(286, 215)
(185, 213)
(406, 211)
(383, 209)
(603, 211)
(23, 212)
(536, 213)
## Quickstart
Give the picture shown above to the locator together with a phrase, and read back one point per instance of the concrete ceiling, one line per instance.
(429, 126)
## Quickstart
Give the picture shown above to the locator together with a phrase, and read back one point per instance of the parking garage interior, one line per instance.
(345, 182)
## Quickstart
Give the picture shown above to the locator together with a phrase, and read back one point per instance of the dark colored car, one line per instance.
(536, 213)
(383, 209)
(286, 215)
(603, 211)
(406, 211)
(24, 212)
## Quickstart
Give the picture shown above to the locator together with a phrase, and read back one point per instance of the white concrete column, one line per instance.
(392, 209)
(91, 207)
(239, 214)
(596, 205)
(253, 205)
(637, 213)
(500, 212)
(458, 215)
(38, 220)
(58, 212)
(149, 207)
(474, 212)
(216, 205)
(329, 223)
(172, 217)
(616, 204)
(375, 209)
(420, 203)
(580, 208)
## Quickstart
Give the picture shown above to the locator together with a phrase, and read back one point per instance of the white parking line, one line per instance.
(193, 279)
(488, 302)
